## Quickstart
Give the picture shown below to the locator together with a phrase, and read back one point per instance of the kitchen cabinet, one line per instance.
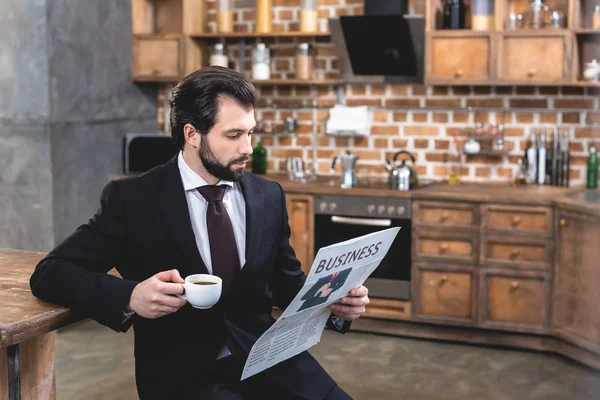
(577, 282)
(433, 245)
(517, 220)
(534, 57)
(300, 210)
(514, 301)
(446, 215)
(458, 60)
(157, 58)
(444, 294)
(519, 252)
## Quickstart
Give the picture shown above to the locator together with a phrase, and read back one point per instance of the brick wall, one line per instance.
(421, 119)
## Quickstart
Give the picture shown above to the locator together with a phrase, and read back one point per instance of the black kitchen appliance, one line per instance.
(144, 151)
(339, 218)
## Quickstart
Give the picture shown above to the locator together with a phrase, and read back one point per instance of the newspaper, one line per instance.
(336, 270)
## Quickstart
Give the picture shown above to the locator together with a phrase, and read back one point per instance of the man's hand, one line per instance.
(153, 298)
(352, 306)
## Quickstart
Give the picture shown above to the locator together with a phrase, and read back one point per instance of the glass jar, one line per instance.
(482, 15)
(264, 16)
(218, 56)
(304, 61)
(261, 62)
(224, 16)
(309, 17)
(596, 18)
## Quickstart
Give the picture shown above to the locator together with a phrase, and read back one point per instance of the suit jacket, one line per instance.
(143, 227)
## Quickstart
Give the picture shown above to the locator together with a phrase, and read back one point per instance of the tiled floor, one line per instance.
(95, 363)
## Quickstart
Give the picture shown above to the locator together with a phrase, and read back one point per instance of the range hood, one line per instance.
(383, 46)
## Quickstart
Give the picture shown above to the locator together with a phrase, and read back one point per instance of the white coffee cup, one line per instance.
(205, 295)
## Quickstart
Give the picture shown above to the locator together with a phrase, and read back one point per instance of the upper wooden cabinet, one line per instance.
(577, 281)
(162, 49)
(498, 218)
(459, 59)
(534, 57)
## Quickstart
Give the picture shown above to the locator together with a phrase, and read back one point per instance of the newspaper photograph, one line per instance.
(335, 271)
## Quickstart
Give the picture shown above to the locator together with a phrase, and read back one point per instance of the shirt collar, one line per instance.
(191, 180)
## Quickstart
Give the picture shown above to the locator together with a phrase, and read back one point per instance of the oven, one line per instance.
(339, 218)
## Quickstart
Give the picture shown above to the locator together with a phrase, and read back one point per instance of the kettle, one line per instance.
(402, 177)
(348, 163)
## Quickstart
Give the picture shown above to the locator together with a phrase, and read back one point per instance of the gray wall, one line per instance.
(66, 100)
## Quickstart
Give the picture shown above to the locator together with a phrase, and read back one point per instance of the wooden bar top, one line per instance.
(23, 316)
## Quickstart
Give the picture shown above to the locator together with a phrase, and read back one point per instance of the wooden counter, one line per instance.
(26, 330)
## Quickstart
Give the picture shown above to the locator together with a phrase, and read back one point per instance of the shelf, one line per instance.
(459, 33)
(586, 31)
(297, 82)
(486, 154)
(242, 35)
(583, 84)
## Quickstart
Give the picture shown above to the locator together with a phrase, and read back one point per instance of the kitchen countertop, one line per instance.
(577, 199)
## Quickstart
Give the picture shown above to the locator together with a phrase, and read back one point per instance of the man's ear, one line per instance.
(191, 136)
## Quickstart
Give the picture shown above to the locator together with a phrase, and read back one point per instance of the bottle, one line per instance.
(309, 16)
(264, 16)
(482, 15)
(218, 56)
(541, 158)
(531, 155)
(224, 16)
(596, 19)
(521, 174)
(454, 14)
(592, 170)
(259, 159)
(261, 62)
(454, 164)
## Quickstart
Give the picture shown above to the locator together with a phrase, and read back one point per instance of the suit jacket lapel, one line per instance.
(173, 207)
(255, 214)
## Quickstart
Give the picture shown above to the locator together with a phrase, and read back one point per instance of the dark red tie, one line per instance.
(223, 250)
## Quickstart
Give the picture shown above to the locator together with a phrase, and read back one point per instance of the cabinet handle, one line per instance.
(516, 221)
(443, 247)
(531, 73)
(514, 285)
(444, 216)
(458, 73)
(444, 278)
(514, 254)
(155, 72)
(564, 222)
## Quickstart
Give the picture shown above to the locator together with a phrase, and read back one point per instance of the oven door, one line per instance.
(391, 279)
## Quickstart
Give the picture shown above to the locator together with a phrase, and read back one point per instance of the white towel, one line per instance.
(345, 120)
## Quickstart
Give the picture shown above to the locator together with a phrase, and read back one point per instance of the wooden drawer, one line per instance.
(519, 252)
(459, 59)
(444, 294)
(534, 58)
(445, 246)
(513, 219)
(446, 214)
(515, 301)
(157, 58)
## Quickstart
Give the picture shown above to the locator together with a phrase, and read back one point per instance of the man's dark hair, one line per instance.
(195, 100)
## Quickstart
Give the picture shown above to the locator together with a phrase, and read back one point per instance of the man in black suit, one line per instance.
(198, 213)
(319, 293)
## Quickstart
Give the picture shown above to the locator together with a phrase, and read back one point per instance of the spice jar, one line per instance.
(304, 61)
(224, 16)
(261, 62)
(264, 16)
(218, 56)
(482, 15)
(596, 18)
(309, 16)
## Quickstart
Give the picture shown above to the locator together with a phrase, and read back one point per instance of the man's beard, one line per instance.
(215, 168)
